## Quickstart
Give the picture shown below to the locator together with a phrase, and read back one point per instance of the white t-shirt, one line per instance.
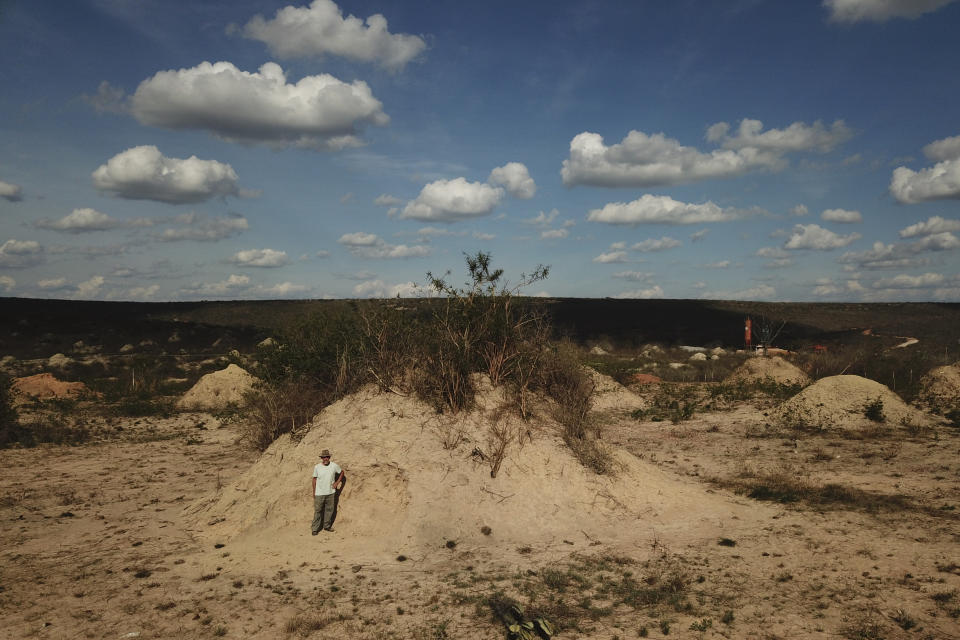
(326, 475)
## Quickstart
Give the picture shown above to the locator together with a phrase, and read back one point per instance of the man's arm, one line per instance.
(338, 483)
(314, 491)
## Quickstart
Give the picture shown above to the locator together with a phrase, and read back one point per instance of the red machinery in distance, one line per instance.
(747, 332)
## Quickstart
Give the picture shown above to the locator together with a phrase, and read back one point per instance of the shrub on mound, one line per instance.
(776, 369)
(846, 403)
(940, 389)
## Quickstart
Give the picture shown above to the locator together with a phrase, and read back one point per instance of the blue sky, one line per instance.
(736, 149)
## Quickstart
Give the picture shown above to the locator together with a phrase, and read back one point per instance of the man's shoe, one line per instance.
(330, 529)
(313, 533)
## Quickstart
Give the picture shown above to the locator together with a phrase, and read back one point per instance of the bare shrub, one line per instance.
(285, 407)
(571, 387)
(477, 328)
(498, 439)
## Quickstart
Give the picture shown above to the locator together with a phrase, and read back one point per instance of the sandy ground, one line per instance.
(103, 541)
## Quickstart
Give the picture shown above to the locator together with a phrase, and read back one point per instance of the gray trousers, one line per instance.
(323, 512)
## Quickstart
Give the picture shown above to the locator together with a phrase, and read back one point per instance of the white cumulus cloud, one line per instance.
(903, 281)
(143, 173)
(880, 10)
(283, 290)
(653, 292)
(554, 234)
(759, 292)
(944, 149)
(321, 29)
(799, 210)
(634, 276)
(813, 236)
(516, 178)
(194, 227)
(7, 284)
(80, 221)
(144, 293)
(260, 258)
(642, 160)
(319, 112)
(901, 255)
(386, 200)
(10, 192)
(827, 287)
(939, 182)
(612, 257)
(843, 216)
(20, 253)
(89, 288)
(233, 285)
(798, 136)
(380, 289)
(651, 209)
(453, 200)
(370, 245)
(771, 252)
(933, 225)
(656, 244)
(51, 284)
(645, 160)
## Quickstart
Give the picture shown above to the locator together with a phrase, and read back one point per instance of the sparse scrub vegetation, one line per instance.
(787, 487)
(673, 402)
(433, 351)
(50, 427)
(9, 418)
(566, 595)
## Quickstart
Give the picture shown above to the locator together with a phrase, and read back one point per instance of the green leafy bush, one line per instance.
(873, 410)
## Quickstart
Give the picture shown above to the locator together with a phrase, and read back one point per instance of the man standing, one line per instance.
(328, 479)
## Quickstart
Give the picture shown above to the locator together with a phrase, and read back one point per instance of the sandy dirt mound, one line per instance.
(759, 369)
(610, 395)
(416, 479)
(218, 389)
(45, 385)
(940, 388)
(839, 402)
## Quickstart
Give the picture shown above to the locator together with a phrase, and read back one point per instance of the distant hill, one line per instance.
(32, 328)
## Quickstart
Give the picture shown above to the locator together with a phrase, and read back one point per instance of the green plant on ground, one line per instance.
(739, 390)
(673, 402)
(43, 431)
(873, 410)
(144, 403)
